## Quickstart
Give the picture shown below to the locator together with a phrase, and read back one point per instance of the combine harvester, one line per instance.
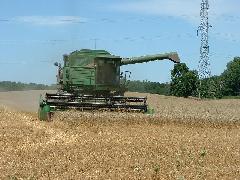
(91, 80)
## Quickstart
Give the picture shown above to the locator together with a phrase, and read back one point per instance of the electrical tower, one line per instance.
(204, 63)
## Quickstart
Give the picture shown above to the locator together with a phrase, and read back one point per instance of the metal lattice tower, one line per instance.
(204, 63)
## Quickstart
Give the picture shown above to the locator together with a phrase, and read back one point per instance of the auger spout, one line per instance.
(173, 56)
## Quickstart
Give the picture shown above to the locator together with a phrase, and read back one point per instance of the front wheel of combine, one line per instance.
(44, 113)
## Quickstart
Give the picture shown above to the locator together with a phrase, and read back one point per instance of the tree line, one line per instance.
(18, 86)
(185, 82)
(148, 87)
(133, 86)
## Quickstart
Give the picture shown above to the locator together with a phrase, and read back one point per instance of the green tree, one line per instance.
(231, 78)
(148, 87)
(211, 87)
(184, 82)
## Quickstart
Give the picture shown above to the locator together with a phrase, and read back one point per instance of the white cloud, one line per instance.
(50, 20)
(184, 9)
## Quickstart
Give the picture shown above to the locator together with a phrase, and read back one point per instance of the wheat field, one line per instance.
(184, 139)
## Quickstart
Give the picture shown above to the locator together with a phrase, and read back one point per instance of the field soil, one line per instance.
(184, 139)
(22, 100)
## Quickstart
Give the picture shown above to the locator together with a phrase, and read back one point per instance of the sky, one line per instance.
(34, 34)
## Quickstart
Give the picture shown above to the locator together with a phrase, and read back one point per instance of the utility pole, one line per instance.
(204, 70)
(95, 43)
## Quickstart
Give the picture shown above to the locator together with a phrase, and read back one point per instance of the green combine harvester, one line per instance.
(91, 80)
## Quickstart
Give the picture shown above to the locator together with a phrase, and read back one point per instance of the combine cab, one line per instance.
(91, 80)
